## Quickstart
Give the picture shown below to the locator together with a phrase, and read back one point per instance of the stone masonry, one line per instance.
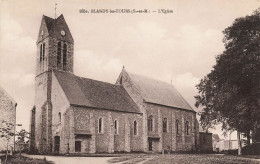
(7, 110)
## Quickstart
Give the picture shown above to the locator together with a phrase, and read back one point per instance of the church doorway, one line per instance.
(150, 144)
(78, 146)
(56, 143)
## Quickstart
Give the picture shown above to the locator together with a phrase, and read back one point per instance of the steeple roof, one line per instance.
(53, 27)
(49, 22)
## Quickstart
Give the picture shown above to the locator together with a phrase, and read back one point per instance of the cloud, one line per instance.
(16, 48)
(95, 66)
(186, 80)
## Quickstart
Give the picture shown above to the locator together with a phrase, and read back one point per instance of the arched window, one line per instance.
(150, 123)
(64, 55)
(187, 128)
(177, 126)
(43, 51)
(135, 127)
(116, 126)
(59, 54)
(121, 79)
(165, 125)
(100, 125)
(59, 115)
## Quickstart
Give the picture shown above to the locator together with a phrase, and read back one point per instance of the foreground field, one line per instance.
(201, 159)
(22, 160)
(185, 159)
(134, 158)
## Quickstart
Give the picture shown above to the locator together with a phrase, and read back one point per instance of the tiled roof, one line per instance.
(92, 93)
(159, 92)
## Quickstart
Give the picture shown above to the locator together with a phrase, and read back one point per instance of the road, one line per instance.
(72, 160)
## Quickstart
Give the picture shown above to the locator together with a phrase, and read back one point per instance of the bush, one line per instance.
(233, 152)
(253, 149)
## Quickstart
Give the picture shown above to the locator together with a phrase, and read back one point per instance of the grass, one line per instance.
(201, 159)
(16, 159)
(252, 156)
(133, 158)
(185, 159)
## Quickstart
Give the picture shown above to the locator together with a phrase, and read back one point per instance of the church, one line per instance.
(75, 114)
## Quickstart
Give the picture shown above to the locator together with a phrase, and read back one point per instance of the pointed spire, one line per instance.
(123, 67)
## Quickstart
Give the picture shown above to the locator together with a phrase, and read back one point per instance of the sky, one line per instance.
(178, 47)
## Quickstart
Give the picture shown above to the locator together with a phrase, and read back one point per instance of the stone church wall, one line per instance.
(50, 57)
(53, 50)
(136, 97)
(32, 130)
(107, 140)
(7, 110)
(176, 142)
(42, 94)
(170, 139)
(42, 66)
(60, 123)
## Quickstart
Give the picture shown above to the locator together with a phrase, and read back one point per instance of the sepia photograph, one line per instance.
(128, 81)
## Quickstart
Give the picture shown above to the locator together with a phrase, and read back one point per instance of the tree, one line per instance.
(7, 132)
(230, 93)
(22, 135)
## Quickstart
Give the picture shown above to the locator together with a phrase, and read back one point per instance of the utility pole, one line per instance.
(229, 142)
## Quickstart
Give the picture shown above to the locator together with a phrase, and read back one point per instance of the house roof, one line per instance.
(159, 92)
(97, 94)
(215, 137)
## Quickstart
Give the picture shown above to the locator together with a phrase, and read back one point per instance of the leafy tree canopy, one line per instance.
(230, 93)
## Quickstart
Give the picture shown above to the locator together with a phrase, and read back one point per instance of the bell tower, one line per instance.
(55, 47)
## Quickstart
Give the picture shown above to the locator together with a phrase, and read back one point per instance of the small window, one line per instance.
(59, 117)
(135, 127)
(187, 128)
(42, 118)
(121, 79)
(100, 125)
(116, 126)
(78, 146)
(177, 126)
(150, 123)
(165, 125)
(43, 51)
(59, 54)
(64, 55)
